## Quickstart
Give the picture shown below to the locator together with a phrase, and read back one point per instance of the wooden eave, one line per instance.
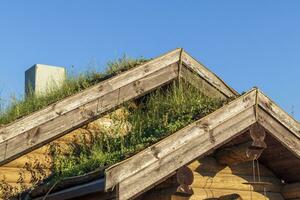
(35, 130)
(147, 168)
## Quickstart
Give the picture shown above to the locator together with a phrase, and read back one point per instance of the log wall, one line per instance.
(33, 167)
(214, 181)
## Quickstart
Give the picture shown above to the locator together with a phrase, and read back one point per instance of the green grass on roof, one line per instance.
(155, 116)
(24, 106)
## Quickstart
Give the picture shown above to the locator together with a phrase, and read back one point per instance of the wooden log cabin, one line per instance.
(247, 149)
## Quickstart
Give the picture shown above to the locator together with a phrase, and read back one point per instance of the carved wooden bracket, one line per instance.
(258, 135)
(244, 152)
(185, 178)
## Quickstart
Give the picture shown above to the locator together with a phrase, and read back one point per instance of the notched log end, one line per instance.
(185, 178)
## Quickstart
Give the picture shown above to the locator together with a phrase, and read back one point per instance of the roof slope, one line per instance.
(146, 169)
(41, 127)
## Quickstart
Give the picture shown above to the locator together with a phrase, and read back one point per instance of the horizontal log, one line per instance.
(237, 154)
(210, 165)
(245, 195)
(208, 194)
(291, 191)
(32, 160)
(13, 175)
(233, 182)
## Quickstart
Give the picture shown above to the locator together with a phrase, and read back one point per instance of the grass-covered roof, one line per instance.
(21, 107)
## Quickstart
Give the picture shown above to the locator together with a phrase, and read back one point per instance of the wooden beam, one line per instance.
(244, 152)
(16, 145)
(200, 83)
(279, 114)
(276, 129)
(235, 154)
(291, 191)
(80, 99)
(156, 162)
(45, 125)
(209, 76)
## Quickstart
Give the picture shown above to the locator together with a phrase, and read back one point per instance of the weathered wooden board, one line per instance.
(203, 72)
(62, 117)
(275, 111)
(59, 126)
(194, 148)
(200, 83)
(280, 132)
(95, 92)
(180, 148)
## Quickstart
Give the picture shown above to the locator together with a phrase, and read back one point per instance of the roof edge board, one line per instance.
(280, 132)
(107, 86)
(208, 75)
(123, 175)
(123, 170)
(278, 113)
(148, 79)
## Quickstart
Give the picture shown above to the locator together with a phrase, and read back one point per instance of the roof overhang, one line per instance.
(144, 170)
(35, 130)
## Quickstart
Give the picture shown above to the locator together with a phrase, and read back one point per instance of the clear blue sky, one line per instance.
(247, 43)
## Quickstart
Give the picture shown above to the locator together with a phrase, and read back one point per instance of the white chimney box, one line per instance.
(40, 79)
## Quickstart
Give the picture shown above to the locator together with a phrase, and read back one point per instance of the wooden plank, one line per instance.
(200, 83)
(57, 127)
(193, 148)
(206, 74)
(203, 134)
(279, 132)
(275, 111)
(71, 103)
(122, 170)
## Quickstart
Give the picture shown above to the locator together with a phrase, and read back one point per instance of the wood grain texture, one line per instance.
(200, 83)
(73, 102)
(209, 76)
(72, 112)
(279, 114)
(280, 132)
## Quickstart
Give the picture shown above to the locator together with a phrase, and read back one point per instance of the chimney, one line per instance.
(40, 79)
